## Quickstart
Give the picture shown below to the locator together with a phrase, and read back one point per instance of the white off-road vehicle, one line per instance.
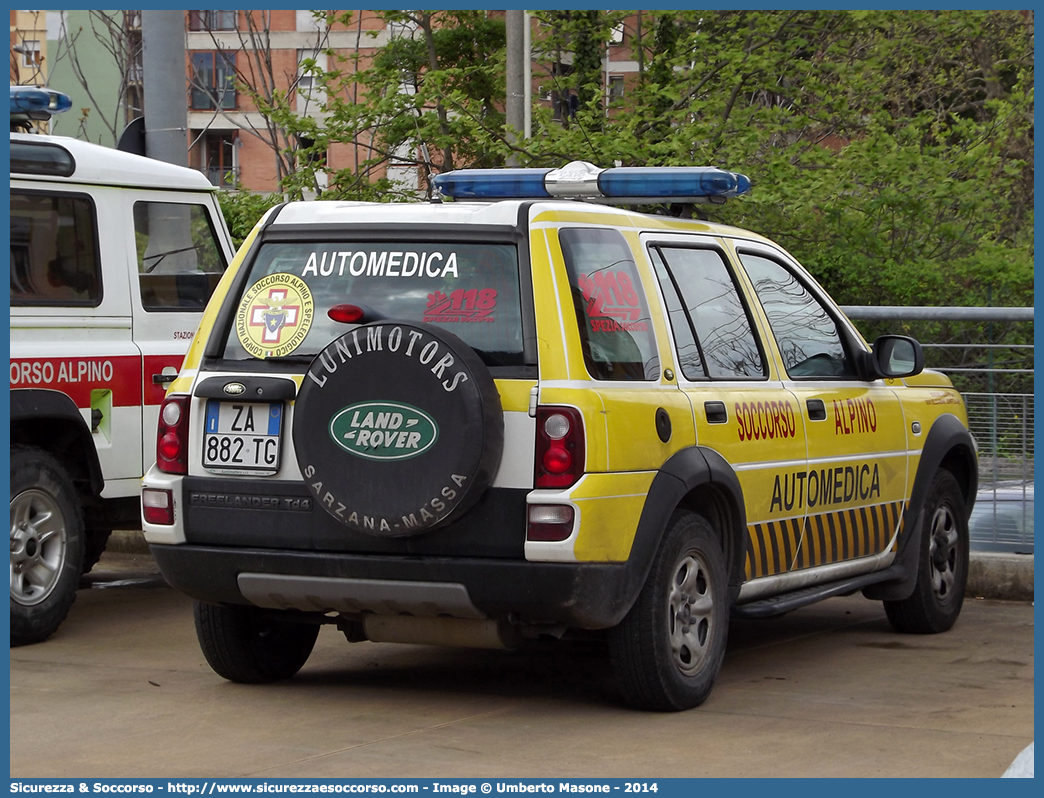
(113, 258)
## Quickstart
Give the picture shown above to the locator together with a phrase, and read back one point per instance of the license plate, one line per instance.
(242, 437)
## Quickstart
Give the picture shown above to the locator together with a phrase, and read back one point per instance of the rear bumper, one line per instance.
(580, 595)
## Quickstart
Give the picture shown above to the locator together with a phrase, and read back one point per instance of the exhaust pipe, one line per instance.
(458, 632)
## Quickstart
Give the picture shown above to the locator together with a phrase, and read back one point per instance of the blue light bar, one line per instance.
(667, 182)
(38, 103)
(493, 184)
(624, 185)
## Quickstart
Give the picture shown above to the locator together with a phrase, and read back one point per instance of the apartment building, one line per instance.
(229, 138)
(28, 52)
(235, 145)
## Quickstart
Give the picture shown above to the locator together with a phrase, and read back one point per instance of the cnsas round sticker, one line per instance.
(274, 315)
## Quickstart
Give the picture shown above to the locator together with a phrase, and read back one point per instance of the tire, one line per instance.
(666, 656)
(942, 570)
(47, 543)
(398, 428)
(250, 645)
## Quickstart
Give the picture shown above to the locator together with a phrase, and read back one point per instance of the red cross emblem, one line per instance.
(274, 316)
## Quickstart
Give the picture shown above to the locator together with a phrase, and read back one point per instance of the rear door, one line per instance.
(178, 248)
(621, 351)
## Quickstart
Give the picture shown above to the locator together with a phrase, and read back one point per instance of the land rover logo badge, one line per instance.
(383, 430)
(235, 388)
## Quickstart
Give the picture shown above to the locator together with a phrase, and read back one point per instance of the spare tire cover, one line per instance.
(398, 428)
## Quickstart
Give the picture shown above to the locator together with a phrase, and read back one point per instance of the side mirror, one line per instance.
(897, 356)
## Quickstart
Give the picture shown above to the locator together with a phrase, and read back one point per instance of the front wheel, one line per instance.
(251, 645)
(942, 570)
(668, 650)
(46, 545)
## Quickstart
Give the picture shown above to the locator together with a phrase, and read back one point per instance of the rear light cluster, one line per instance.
(559, 464)
(559, 447)
(549, 522)
(172, 435)
(157, 506)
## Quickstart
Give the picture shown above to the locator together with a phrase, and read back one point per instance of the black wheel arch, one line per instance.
(949, 445)
(50, 420)
(701, 480)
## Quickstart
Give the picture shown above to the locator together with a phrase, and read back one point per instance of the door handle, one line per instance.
(716, 412)
(816, 409)
(163, 379)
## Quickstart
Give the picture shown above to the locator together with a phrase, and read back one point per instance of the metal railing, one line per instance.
(1000, 418)
(222, 176)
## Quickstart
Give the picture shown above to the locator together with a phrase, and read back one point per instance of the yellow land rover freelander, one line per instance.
(518, 411)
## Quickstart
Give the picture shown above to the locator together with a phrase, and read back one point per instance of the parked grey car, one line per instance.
(1003, 519)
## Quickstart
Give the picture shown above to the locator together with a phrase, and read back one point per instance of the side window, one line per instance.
(689, 359)
(805, 332)
(54, 250)
(612, 313)
(179, 260)
(723, 329)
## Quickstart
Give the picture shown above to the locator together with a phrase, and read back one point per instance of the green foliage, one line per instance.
(891, 151)
(583, 34)
(422, 101)
(243, 209)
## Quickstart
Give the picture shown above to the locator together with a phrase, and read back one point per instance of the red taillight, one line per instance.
(169, 447)
(172, 436)
(557, 459)
(559, 446)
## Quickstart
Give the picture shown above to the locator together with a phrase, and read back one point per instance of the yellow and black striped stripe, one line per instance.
(776, 547)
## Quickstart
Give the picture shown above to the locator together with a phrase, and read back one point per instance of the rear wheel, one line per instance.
(942, 571)
(46, 545)
(251, 645)
(668, 650)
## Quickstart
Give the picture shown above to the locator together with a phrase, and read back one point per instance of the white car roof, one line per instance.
(99, 165)
(336, 212)
(498, 212)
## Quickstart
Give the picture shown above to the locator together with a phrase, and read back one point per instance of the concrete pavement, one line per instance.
(1001, 576)
(829, 690)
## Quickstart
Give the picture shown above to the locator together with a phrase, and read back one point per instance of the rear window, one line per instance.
(470, 289)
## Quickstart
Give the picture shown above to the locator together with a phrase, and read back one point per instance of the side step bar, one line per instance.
(785, 602)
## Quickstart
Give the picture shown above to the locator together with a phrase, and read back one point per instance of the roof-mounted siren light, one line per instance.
(643, 184)
(33, 102)
(622, 185)
(484, 184)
